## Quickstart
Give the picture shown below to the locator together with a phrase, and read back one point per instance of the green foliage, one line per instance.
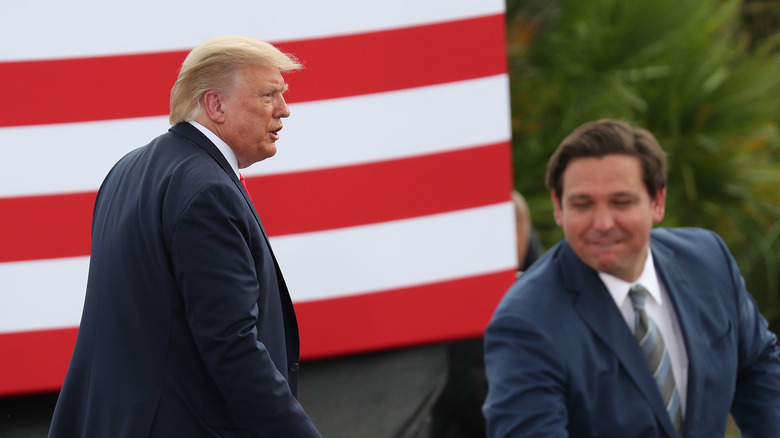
(687, 70)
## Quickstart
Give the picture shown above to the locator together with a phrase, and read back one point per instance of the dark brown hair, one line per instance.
(607, 137)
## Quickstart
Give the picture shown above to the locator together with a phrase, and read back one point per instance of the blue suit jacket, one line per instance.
(188, 329)
(561, 360)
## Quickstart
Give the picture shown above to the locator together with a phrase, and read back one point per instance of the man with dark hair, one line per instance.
(621, 330)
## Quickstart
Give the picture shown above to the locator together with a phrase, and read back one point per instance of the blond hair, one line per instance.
(212, 66)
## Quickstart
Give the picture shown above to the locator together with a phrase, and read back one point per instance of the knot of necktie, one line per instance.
(243, 183)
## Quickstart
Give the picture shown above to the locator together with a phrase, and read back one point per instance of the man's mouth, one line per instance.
(604, 243)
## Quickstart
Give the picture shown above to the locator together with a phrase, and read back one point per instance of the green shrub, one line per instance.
(687, 70)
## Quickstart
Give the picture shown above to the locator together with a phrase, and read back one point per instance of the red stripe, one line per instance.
(56, 226)
(389, 190)
(37, 361)
(438, 312)
(398, 59)
(116, 87)
(45, 227)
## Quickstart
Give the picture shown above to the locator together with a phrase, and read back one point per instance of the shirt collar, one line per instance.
(223, 147)
(649, 279)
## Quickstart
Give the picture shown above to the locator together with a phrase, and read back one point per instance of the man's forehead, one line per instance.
(268, 84)
(600, 180)
(585, 169)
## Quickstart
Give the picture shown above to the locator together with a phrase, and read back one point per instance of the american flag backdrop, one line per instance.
(388, 202)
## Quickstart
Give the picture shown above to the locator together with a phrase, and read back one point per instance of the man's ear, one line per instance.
(214, 106)
(558, 210)
(658, 205)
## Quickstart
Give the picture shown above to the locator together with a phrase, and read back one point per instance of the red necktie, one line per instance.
(243, 183)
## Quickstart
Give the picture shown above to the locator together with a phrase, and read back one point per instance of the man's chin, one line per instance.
(268, 152)
(606, 262)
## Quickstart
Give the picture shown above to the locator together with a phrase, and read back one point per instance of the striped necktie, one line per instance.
(652, 344)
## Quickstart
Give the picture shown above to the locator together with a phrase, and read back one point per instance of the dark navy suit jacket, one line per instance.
(561, 361)
(188, 329)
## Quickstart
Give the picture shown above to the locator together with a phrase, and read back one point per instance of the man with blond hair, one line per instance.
(188, 329)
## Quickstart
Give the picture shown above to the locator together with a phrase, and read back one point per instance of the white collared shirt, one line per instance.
(661, 309)
(228, 153)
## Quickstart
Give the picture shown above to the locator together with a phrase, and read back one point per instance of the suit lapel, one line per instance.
(194, 136)
(595, 305)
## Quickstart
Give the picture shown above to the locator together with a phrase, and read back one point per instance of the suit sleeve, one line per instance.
(756, 404)
(526, 380)
(216, 273)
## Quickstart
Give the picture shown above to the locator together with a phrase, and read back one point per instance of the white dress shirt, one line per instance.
(228, 153)
(660, 308)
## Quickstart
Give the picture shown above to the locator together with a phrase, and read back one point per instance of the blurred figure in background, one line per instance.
(529, 243)
(458, 410)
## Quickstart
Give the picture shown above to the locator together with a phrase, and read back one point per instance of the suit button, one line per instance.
(294, 367)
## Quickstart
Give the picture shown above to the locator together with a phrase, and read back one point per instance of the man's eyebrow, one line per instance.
(279, 87)
(577, 196)
(274, 88)
(625, 195)
(622, 194)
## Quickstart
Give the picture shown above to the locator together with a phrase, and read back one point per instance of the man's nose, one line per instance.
(603, 218)
(282, 110)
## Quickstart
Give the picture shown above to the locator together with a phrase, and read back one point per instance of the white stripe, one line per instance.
(76, 157)
(392, 125)
(55, 29)
(42, 294)
(49, 293)
(403, 253)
